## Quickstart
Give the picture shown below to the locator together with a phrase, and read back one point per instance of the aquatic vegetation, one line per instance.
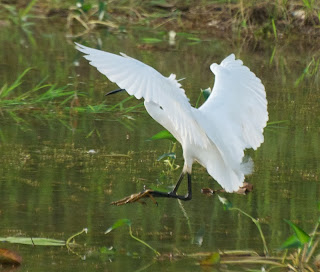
(170, 159)
(39, 241)
(71, 242)
(48, 100)
(170, 156)
(203, 94)
(127, 222)
(38, 96)
(312, 70)
(312, 11)
(49, 174)
(258, 19)
(89, 16)
(302, 244)
(228, 206)
(163, 134)
(274, 28)
(20, 16)
(33, 241)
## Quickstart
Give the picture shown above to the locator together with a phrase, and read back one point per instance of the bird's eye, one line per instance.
(161, 108)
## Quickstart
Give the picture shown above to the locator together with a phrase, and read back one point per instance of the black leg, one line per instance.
(189, 195)
(173, 193)
(151, 193)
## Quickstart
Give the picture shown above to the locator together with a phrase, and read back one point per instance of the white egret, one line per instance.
(215, 134)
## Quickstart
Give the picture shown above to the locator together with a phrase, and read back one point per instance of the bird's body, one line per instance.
(216, 134)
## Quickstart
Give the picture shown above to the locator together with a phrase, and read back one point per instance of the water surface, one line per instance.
(52, 185)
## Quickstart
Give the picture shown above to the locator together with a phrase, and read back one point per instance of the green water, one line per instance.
(52, 186)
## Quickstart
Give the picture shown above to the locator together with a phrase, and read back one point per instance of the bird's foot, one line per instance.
(243, 190)
(151, 194)
(136, 198)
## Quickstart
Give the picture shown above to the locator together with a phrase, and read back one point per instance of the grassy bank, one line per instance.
(259, 18)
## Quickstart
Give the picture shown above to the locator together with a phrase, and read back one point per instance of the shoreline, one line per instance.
(265, 20)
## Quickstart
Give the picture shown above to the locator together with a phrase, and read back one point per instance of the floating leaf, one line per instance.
(118, 224)
(226, 203)
(171, 155)
(9, 257)
(300, 233)
(291, 242)
(213, 259)
(33, 241)
(164, 134)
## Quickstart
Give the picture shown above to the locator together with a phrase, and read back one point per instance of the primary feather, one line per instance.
(216, 134)
(143, 81)
(234, 116)
(236, 109)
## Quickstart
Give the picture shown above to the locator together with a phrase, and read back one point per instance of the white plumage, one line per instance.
(216, 134)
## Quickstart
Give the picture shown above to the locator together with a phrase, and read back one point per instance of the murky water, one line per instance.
(52, 185)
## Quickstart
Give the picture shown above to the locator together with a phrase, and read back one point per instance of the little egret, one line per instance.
(215, 134)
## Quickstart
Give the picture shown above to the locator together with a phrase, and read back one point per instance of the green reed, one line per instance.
(44, 99)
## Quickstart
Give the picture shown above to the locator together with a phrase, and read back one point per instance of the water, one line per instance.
(52, 186)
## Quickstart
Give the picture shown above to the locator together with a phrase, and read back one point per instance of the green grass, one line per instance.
(19, 16)
(311, 71)
(252, 17)
(42, 98)
(48, 99)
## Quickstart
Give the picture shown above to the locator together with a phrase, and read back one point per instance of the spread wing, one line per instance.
(236, 111)
(143, 81)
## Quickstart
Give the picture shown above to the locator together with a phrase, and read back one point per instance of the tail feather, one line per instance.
(229, 178)
(228, 171)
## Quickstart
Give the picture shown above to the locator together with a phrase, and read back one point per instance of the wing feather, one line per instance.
(235, 113)
(143, 81)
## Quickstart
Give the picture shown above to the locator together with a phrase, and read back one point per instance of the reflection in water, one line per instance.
(51, 186)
